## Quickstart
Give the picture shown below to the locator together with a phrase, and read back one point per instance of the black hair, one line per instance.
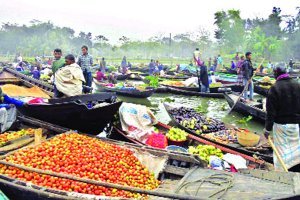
(57, 50)
(248, 54)
(197, 49)
(84, 47)
(70, 57)
(103, 58)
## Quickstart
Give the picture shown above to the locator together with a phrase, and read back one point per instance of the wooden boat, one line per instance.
(175, 77)
(129, 93)
(122, 77)
(234, 87)
(237, 148)
(25, 123)
(180, 169)
(161, 89)
(191, 93)
(254, 109)
(74, 112)
(260, 90)
(10, 75)
(135, 77)
(118, 134)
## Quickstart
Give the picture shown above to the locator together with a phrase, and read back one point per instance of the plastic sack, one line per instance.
(157, 140)
(36, 101)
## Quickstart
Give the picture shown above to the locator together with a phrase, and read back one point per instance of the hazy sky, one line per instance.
(138, 19)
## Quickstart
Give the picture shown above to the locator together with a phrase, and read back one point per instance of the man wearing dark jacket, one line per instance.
(283, 116)
(247, 72)
(204, 78)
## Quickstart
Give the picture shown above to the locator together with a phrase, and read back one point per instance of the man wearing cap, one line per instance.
(283, 116)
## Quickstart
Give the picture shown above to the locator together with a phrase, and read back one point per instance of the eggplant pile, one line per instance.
(196, 122)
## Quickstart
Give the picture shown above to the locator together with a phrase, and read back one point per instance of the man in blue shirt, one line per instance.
(8, 112)
(7, 102)
(85, 61)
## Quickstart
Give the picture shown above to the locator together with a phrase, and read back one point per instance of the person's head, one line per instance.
(197, 49)
(103, 58)
(270, 61)
(124, 58)
(232, 61)
(151, 60)
(212, 73)
(242, 57)
(237, 53)
(248, 55)
(70, 59)
(279, 70)
(84, 49)
(57, 53)
(219, 55)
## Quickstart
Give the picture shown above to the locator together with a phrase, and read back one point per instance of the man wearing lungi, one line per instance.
(283, 116)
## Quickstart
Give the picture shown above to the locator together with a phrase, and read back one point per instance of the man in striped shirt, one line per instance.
(85, 61)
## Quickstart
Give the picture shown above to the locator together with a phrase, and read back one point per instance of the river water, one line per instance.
(217, 108)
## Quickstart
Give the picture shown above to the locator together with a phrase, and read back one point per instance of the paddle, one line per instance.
(245, 88)
(277, 154)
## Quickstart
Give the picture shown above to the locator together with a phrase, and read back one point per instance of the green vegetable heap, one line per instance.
(205, 151)
(177, 134)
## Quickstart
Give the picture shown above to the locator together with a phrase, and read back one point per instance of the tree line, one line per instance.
(276, 38)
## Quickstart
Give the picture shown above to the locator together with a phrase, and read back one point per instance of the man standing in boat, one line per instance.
(283, 116)
(197, 57)
(204, 78)
(85, 61)
(248, 72)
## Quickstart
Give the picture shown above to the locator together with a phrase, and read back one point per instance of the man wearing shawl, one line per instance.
(69, 79)
(283, 116)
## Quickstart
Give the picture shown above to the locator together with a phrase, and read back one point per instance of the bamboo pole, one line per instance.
(277, 154)
(103, 184)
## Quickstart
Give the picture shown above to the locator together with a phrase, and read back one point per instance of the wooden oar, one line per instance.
(245, 88)
(277, 154)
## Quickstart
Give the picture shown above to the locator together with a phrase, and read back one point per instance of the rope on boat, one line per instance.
(215, 179)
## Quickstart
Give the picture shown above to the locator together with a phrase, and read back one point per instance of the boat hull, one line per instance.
(266, 157)
(128, 93)
(245, 109)
(74, 115)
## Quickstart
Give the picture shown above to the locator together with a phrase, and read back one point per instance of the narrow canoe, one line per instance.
(129, 93)
(191, 93)
(254, 110)
(75, 112)
(260, 90)
(234, 87)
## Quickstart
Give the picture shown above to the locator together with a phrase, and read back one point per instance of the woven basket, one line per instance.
(247, 139)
